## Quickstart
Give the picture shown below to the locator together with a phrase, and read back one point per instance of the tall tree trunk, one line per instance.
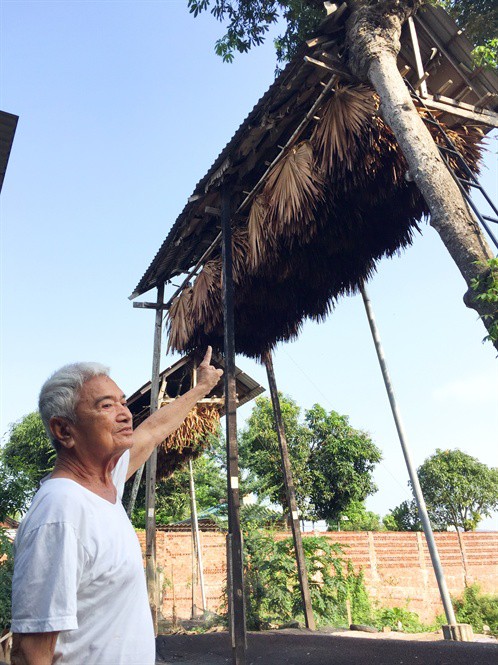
(373, 39)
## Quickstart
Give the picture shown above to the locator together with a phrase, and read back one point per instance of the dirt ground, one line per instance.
(301, 647)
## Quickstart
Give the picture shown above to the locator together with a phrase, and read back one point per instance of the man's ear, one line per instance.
(62, 431)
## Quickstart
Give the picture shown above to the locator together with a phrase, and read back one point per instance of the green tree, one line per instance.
(458, 489)
(357, 518)
(173, 497)
(248, 23)
(260, 455)
(341, 461)
(370, 45)
(26, 457)
(479, 19)
(331, 462)
(403, 518)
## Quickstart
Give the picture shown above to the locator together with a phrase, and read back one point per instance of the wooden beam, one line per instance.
(236, 569)
(488, 98)
(483, 117)
(318, 63)
(149, 305)
(420, 85)
(419, 21)
(291, 497)
(421, 80)
(443, 88)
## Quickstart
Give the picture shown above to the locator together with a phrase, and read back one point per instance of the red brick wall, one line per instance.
(397, 566)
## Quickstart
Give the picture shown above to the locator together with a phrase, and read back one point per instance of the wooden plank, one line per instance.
(481, 117)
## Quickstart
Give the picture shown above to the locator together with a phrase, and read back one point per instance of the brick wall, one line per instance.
(397, 567)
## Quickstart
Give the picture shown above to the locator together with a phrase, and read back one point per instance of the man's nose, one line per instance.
(125, 413)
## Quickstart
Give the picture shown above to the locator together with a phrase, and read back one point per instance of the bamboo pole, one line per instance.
(291, 496)
(151, 469)
(417, 491)
(236, 576)
(196, 534)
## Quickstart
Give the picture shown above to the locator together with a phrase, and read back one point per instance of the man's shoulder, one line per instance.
(57, 501)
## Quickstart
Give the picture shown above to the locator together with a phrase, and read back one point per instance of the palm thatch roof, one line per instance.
(319, 194)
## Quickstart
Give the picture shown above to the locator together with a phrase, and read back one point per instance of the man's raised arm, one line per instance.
(168, 418)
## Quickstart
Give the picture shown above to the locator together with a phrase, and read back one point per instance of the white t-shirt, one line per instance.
(78, 570)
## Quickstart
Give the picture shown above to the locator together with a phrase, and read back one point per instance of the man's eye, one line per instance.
(106, 405)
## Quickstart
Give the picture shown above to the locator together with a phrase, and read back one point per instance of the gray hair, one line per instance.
(59, 394)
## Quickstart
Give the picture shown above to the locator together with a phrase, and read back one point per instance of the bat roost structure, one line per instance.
(308, 195)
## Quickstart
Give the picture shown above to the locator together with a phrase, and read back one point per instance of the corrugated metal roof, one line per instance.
(8, 124)
(160, 263)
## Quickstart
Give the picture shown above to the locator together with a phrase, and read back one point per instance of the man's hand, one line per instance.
(160, 424)
(207, 375)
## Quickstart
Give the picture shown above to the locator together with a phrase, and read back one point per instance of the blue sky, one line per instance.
(123, 107)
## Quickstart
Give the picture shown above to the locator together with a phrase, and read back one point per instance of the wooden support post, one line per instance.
(151, 469)
(291, 497)
(236, 578)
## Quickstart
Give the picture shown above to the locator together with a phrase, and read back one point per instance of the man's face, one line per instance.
(103, 421)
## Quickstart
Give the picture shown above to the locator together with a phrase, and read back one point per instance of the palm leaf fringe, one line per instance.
(189, 440)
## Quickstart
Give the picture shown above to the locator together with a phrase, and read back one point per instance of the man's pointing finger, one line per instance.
(207, 358)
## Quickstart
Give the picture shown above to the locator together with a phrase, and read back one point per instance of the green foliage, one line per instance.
(403, 518)
(273, 594)
(248, 23)
(260, 458)
(486, 286)
(26, 457)
(399, 618)
(341, 462)
(172, 494)
(358, 518)
(477, 609)
(6, 570)
(458, 489)
(332, 463)
(486, 55)
(479, 19)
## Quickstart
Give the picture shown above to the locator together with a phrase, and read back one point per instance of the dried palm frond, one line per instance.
(256, 229)
(240, 254)
(205, 291)
(189, 440)
(345, 118)
(180, 320)
(294, 187)
(466, 141)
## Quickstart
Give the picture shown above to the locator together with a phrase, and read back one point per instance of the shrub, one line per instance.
(6, 570)
(477, 609)
(396, 617)
(273, 595)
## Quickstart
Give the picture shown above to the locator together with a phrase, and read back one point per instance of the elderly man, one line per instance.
(79, 593)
